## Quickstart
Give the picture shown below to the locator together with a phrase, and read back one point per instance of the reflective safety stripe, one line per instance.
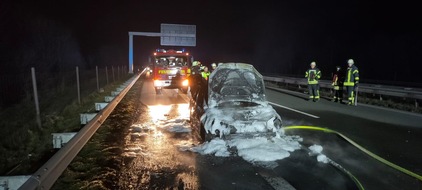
(318, 75)
(349, 84)
(313, 82)
(356, 78)
(356, 71)
(349, 75)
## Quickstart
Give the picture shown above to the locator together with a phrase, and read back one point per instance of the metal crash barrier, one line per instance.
(46, 176)
(382, 90)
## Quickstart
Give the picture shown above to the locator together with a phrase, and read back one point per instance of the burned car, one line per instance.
(234, 103)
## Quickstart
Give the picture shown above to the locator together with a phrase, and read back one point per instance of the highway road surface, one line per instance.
(158, 155)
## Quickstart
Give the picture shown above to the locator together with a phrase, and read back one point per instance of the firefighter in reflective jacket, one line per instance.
(351, 81)
(313, 74)
(195, 79)
(338, 78)
(205, 73)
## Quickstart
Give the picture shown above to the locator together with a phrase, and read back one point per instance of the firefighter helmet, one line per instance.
(313, 63)
(213, 65)
(196, 63)
(350, 61)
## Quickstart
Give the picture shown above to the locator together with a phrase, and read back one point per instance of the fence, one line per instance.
(32, 101)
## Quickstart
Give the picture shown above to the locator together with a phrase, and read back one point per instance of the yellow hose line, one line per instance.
(408, 172)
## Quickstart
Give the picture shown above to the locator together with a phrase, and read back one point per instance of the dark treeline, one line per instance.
(30, 39)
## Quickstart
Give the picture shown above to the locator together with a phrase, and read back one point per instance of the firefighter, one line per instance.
(313, 74)
(213, 66)
(338, 78)
(201, 67)
(351, 81)
(195, 79)
(205, 73)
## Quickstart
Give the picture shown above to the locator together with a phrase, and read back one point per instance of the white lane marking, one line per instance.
(291, 109)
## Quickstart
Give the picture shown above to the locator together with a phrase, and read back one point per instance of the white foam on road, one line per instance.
(178, 125)
(317, 150)
(256, 149)
(217, 147)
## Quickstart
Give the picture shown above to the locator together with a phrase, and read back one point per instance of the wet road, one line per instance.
(156, 156)
(393, 135)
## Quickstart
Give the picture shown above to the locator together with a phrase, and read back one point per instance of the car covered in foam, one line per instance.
(235, 103)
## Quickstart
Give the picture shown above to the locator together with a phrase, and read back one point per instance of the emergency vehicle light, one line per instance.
(161, 50)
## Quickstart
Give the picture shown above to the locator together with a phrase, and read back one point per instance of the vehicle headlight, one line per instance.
(157, 83)
(185, 82)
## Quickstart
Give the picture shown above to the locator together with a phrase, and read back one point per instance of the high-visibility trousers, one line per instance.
(350, 94)
(313, 91)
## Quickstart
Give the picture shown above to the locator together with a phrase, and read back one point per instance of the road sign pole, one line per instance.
(171, 35)
(130, 53)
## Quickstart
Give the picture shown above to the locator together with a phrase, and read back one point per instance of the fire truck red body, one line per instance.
(171, 69)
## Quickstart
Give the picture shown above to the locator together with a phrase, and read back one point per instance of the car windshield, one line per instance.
(236, 82)
(170, 61)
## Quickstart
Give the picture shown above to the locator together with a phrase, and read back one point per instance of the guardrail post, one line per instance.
(78, 87)
(380, 97)
(37, 105)
(112, 71)
(49, 172)
(106, 75)
(98, 82)
(118, 72)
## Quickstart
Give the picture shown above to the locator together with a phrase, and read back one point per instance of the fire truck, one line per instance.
(170, 69)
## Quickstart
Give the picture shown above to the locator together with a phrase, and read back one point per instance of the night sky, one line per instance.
(277, 37)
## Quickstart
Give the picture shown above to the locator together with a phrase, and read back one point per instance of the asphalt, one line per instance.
(395, 136)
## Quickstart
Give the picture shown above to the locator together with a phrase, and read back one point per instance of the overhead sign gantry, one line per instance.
(171, 35)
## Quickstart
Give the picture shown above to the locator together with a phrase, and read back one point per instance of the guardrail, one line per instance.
(382, 90)
(46, 176)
